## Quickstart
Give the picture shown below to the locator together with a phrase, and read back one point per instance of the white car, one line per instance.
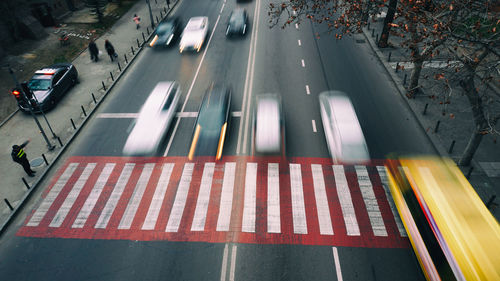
(343, 133)
(154, 120)
(268, 124)
(194, 34)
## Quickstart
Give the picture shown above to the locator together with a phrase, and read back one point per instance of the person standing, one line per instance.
(110, 49)
(137, 21)
(93, 50)
(19, 156)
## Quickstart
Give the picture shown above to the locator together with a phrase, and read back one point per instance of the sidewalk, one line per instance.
(20, 127)
(455, 125)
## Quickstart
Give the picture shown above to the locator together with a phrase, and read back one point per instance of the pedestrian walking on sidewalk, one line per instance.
(93, 50)
(19, 156)
(110, 49)
(137, 21)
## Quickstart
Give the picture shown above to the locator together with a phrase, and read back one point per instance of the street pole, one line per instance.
(25, 87)
(150, 14)
(50, 146)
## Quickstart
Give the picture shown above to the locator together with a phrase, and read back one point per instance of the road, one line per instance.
(107, 217)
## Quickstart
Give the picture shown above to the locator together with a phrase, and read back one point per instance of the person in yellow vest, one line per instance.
(19, 156)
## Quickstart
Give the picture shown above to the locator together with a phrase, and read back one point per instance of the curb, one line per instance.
(9, 117)
(26, 196)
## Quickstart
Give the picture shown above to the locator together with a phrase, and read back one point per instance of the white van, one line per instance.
(343, 133)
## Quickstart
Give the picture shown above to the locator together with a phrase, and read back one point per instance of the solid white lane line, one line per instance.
(180, 199)
(303, 63)
(337, 263)
(136, 197)
(158, 196)
(248, 221)
(247, 92)
(233, 263)
(374, 214)
(94, 195)
(385, 183)
(222, 8)
(273, 198)
(298, 206)
(51, 197)
(191, 87)
(307, 90)
(345, 200)
(106, 213)
(226, 198)
(314, 125)
(325, 221)
(223, 270)
(300, 43)
(200, 212)
(73, 194)
(296, 26)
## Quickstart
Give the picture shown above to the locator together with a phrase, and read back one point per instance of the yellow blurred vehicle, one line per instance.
(454, 235)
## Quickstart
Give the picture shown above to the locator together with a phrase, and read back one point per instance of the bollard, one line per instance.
(157, 19)
(404, 80)
(45, 159)
(425, 109)
(437, 126)
(147, 29)
(132, 48)
(376, 39)
(8, 204)
(156, 2)
(368, 25)
(161, 14)
(165, 9)
(83, 109)
(397, 66)
(119, 67)
(126, 61)
(373, 32)
(103, 86)
(111, 74)
(389, 59)
(60, 142)
(451, 147)
(470, 172)
(72, 123)
(138, 45)
(25, 183)
(93, 98)
(143, 38)
(490, 202)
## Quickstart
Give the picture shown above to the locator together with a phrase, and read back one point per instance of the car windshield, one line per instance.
(195, 25)
(211, 118)
(236, 18)
(164, 28)
(39, 84)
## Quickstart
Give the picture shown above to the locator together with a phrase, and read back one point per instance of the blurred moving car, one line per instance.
(154, 120)
(211, 123)
(237, 24)
(194, 34)
(269, 124)
(343, 133)
(48, 85)
(167, 32)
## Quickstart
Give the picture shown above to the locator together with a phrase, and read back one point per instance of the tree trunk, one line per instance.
(389, 17)
(415, 76)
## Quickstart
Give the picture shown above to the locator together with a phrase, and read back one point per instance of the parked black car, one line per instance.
(238, 21)
(167, 32)
(48, 86)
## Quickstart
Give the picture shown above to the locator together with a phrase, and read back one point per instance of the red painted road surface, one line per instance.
(260, 200)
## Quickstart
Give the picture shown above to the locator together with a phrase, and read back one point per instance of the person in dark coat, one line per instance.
(19, 156)
(110, 49)
(93, 50)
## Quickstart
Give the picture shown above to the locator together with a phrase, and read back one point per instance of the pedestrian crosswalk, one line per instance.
(242, 199)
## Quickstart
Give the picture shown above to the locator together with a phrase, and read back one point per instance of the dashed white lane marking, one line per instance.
(159, 195)
(298, 205)
(249, 205)
(314, 125)
(307, 90)
(137, 194)
(300, 43)
(296, 26)
(224, 264)
(303, 63)
(345, 200)
(325, 221)
(226, 198)
(222, 8)
(200, 212)
(371, 203)
(233, 263)
(273, 202)
(180, 199)
(337, 263)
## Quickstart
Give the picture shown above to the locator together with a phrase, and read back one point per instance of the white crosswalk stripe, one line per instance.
(180, 199)
(371, 203)
(325, 221)
(94, 195)
(226, 199)
(200, 213)
(273, 198)
(249, 205)
(159, 195)
(298, 205)
(385, 184)
(345, 199)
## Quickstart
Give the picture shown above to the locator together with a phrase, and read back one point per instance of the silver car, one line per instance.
(194, 34)
(154, 120)
(268, 124)
(343, 133)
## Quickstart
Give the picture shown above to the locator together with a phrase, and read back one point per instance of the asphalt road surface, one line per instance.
(106, 217)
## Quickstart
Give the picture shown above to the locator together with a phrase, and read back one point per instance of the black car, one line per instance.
(237, 24)
(48, 86)
(167, 32)
(212, 123)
